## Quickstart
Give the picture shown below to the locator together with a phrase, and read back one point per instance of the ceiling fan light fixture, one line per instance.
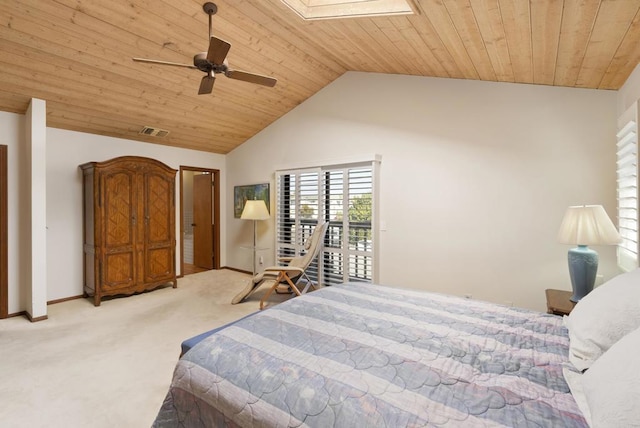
(334, 9)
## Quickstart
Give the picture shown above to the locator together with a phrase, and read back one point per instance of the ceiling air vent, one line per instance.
(153, 132)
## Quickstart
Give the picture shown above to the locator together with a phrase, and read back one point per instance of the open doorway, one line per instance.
(199, 219)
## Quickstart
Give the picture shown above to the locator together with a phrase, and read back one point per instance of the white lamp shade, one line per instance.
(587, 225)
(255, 210)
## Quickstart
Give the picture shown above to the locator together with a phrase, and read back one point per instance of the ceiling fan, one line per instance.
(214, 61)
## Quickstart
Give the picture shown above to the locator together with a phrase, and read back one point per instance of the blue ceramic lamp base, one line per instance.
(583, 266)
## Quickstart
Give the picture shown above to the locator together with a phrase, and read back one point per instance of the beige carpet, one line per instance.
(109, 366)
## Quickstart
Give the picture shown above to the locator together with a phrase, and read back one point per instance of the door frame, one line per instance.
(215, 173)
(4, 237)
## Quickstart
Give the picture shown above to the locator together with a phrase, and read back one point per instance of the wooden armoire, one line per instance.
(129, 226)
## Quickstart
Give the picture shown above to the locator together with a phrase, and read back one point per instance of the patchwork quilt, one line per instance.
(363, 355)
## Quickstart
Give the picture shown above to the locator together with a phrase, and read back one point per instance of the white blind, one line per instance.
(342, 196)
(627, 193)
(359, 224)
(297, 212)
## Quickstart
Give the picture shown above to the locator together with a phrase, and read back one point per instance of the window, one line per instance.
(627, 189)
(341, 195)
(330, 9)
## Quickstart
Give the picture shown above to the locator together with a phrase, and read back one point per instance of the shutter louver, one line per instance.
(297, 214)
(360, 216)
(627, 195)
(333, 266)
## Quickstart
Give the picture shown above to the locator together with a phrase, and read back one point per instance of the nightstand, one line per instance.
(558, 302)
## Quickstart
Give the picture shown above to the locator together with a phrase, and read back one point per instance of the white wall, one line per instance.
(475, 176)
(629, 93)
(487, 169)
(64, 152)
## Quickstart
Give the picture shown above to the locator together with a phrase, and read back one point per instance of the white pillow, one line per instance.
(603, 317)
(574, 380)
(612, 385)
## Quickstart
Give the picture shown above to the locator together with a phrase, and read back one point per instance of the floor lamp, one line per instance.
(255, 210)
(582, 226)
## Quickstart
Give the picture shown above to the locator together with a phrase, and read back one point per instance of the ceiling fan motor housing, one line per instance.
(202, 64)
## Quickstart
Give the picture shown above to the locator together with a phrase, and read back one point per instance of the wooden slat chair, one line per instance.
(291, 274)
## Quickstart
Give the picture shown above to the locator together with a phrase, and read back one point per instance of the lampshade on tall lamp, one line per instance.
(255, 210)
(582, 226)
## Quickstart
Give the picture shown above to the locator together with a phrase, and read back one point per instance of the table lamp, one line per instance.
(585, 225)
(255, 210)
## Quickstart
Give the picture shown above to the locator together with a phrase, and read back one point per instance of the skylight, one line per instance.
(332, 9)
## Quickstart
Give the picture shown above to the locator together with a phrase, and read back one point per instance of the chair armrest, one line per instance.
(283, 269)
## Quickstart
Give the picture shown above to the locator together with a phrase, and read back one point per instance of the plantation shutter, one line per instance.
(297, 212)
(348, 255)
(340, 195)
(627, 193)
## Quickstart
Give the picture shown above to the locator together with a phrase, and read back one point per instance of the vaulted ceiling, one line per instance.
(77, 55)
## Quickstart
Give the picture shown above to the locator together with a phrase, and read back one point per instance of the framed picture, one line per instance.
(242, 194)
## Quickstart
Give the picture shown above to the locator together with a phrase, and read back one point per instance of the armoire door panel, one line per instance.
(160, 211)
(159, 264)
(118, 271)
(119, 209)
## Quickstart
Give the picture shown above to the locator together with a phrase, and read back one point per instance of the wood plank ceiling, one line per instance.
(76, 55)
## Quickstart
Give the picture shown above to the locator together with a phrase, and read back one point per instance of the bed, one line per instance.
(363, 355)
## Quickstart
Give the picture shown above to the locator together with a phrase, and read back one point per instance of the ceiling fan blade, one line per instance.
(155, 61)
(206, 85)
(251, 77)
(218, 50)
